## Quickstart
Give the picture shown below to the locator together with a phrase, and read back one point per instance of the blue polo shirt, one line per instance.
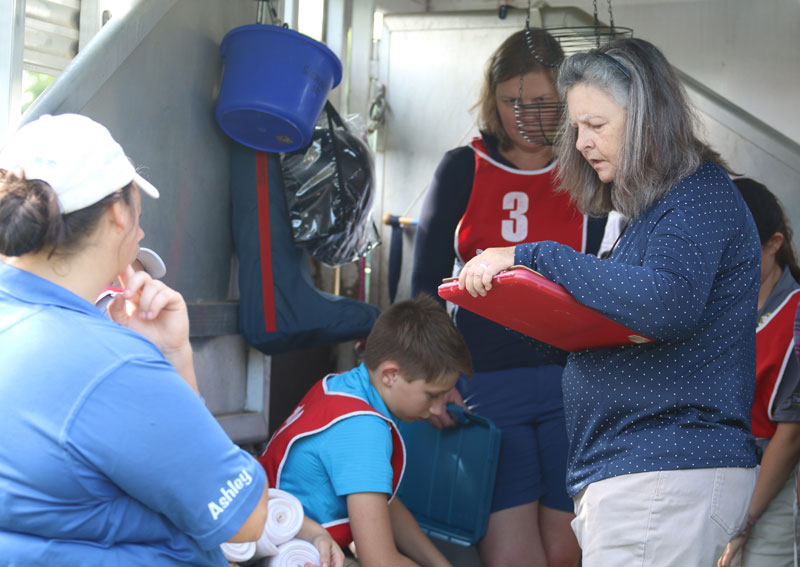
(687, 274)
(108, 457)
(353, 455)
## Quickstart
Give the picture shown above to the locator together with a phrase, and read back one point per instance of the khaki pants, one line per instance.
(681, 518)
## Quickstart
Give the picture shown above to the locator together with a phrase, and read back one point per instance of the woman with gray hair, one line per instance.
(661, 459)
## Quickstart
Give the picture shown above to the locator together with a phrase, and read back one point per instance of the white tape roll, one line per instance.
(295, 553)
(284, 516)
(237, 552)
(284, 521)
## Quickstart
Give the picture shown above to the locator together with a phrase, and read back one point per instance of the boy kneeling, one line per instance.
(340, 453)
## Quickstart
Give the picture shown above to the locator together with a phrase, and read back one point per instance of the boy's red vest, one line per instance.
(317, 411)
(774, 346)
(508, 206)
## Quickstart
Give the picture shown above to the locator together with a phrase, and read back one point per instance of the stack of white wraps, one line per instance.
(284, 520)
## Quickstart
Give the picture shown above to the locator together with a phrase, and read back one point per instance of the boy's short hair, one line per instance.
(419, 335)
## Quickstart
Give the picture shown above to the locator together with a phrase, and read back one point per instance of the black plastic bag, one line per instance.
(329, 188)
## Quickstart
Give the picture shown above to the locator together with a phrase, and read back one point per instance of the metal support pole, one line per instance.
(12, 26)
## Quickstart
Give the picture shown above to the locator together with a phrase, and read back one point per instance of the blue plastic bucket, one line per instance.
(274, 86)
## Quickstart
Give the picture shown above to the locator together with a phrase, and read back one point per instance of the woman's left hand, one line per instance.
(476, 275)
(734, 551)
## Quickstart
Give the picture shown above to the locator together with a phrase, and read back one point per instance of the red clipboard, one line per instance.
(529, 303)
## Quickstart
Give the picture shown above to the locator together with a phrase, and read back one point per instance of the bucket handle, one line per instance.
(333, 117)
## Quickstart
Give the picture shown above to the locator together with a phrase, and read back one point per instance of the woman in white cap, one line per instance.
(109, 456)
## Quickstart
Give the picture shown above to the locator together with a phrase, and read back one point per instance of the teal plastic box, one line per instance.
(449, 478)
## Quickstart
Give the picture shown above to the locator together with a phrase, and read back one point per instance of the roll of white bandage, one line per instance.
(284, 516)
(284, 520)
(295, 553)
(237, 552)
(264, 547)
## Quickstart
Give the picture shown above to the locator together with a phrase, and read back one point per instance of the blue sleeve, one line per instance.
(442, 209)
(147, 431)
(357, 453)
(663, 297)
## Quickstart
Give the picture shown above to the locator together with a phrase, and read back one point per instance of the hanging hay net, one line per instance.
(570, 40)
(539, 122)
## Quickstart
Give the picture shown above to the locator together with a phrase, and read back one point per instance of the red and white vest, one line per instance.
(774, 346)
(317, 411)
(509, 206)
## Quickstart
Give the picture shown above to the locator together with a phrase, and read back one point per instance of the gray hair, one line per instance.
(659, 145)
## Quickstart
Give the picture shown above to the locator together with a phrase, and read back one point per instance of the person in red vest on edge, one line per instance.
(340, 453)
(769, 537)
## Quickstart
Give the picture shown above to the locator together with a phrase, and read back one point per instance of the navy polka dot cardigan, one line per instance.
(687, 274)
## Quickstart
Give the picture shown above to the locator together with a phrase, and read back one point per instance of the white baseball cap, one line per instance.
(73, 154)
(152, 263)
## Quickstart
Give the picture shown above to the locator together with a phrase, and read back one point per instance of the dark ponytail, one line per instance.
(30, 219)
(770, 218)
(28, 214)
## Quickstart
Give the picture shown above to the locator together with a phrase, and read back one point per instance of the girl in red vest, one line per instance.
(499, 191)
(770, 534)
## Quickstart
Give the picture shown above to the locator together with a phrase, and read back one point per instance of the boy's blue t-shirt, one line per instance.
(108, 457)
(353, 455)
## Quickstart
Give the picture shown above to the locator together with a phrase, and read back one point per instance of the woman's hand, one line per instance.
(159, 313)
(153, 310)
(734, 551)
(476, 275)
